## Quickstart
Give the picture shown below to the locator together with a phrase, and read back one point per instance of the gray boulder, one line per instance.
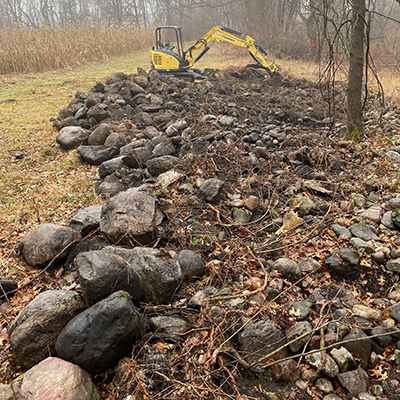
(99, 135)
(54, 378)
(110, 166)
(261, 338)
(97, 154)
(157, 166)
(101, 335)
(71, 137)
(136, 157)
(163, 149)
(46, 241)
(191, 264)
(34, 332)
(129, 215)
(160, 276)
(102, 273)
(86, 219)
(98, 112)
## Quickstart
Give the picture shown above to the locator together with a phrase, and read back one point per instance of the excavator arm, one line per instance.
(220, 34)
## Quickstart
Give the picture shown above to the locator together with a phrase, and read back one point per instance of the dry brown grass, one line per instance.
(34, 50)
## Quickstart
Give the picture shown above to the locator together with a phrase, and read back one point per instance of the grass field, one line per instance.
(48, 184)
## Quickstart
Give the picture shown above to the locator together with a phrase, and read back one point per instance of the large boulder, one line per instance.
(96, 154)
(102, 273)
(157, 166)
(71, 137)
(34, 332)
(46, 241)
(160, 275)
(130, 215)
(54, 378)
(101, 335)
(136, 157)
(99, 135)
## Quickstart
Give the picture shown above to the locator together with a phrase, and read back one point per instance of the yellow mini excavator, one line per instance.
(170, 58)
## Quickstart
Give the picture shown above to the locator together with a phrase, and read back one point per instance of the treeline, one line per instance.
(310, 29)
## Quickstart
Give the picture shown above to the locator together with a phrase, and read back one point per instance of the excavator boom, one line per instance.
(169, 58)
(220, 34)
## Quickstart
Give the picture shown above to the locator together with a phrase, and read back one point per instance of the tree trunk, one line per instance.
(356, 70)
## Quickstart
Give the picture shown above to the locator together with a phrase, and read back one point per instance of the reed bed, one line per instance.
(25, 50)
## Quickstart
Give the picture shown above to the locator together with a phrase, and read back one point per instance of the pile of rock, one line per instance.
(147, 128)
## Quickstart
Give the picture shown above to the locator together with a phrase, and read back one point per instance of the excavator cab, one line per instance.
(168, 54)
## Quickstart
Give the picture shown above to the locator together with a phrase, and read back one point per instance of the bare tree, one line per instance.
(356, 71)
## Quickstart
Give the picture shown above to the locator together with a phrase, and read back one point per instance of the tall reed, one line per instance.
(34, 50)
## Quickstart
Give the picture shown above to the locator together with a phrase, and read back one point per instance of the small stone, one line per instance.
(366, 396)
(323, 362)
(169, 325)
(341, 230)
(373, 213)
(287, 371)
(226, 120)
(241, 216)
(363, 232)
(252, 203)
(301, 310)
(361, 245)
(393, 265)
(308, 265)
(332, 396)
(387, 220)
(394, 295)
(344, 359)
(367, 312)
(211, 189)
(396, 217)
(296, 331)
(393, 156)
(191, 264)
(310, 374)
(324, 385)
(376, 390)
(289, 268)
(395, 313)
(379, 257)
